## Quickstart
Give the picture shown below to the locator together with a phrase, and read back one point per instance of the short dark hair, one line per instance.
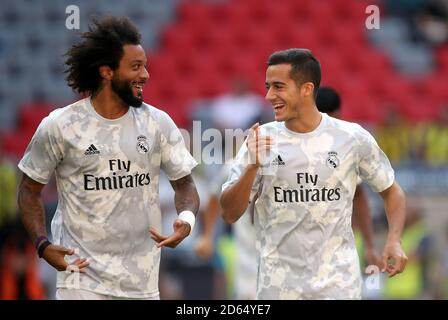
(304, 65)
(328, 100)
(101, 45)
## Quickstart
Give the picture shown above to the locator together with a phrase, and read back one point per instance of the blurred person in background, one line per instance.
(19, 277)
(107, 151)
(19, 268)
(231, 249)
(238, 108)
(395, 137)
(431, 22)
(238, 249)
(435, 139)
(8, 188)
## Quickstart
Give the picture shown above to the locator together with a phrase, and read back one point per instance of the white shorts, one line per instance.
(80, 294)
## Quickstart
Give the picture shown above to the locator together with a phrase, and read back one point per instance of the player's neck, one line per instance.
(307, 120)
(108, 105)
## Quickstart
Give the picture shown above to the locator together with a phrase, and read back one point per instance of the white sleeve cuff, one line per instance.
(188, 217)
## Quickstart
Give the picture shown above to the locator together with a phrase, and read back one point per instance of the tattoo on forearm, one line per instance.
(31, 209)
(186, 196)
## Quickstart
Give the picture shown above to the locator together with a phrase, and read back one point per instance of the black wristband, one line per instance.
(42, 247)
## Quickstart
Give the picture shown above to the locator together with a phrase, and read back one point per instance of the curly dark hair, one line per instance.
(101, 45)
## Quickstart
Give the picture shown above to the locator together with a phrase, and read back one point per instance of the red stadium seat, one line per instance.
(362, 109)
(442, 58)
(31, 115)
(175, 38)
(15, 142)
(199, 54)
(192, 12)
(301, 11)
(353, 11)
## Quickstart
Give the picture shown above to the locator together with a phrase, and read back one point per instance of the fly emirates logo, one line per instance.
(307, 191)
(116, 181)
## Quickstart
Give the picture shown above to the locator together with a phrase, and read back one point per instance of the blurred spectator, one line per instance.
(435, 140)
(234, 248)
(19, 278)
(404, 8)
(427, 19)
(238, 109)
(8, 209)
(422, 143)
(432, 22)
(394, 138)
(8, 186)
(182, 274)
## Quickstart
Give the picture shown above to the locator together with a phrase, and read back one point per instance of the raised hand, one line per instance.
(258, 145)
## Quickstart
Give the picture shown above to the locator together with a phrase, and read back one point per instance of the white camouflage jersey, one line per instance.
(304, 208)
(107, 174)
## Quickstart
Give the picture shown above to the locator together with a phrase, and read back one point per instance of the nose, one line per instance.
(269, 95)
(144, 74)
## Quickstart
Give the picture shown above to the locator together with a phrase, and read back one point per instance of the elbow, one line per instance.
(228, 217)
(226, 212)
(399, 193)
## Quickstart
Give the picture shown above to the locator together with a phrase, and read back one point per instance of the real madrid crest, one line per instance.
(142, 145)
(332, 160)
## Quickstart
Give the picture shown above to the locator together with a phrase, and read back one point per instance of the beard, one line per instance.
(123, 89)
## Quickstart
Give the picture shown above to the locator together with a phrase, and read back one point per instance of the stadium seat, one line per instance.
(442, 58)
(30, 115)
(211, 42)
(15, 142)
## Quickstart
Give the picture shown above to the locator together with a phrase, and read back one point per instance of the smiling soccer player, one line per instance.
(107, 151)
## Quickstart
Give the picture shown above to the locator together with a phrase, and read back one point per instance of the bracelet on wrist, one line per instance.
(42, 247)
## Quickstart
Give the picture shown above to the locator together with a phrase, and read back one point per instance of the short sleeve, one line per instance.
(44, 152)
(238, 165)
(373, 165)
(177, 162)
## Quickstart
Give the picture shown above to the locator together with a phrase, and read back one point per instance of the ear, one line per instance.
(307, 89)
(106, 73)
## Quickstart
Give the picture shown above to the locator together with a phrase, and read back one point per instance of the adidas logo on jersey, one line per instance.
(91, 150)
(278, 161)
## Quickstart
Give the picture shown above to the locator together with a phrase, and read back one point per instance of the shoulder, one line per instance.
(152, 112)
(68, 113)
(157, 118)
(348, 128)
(60, 118)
